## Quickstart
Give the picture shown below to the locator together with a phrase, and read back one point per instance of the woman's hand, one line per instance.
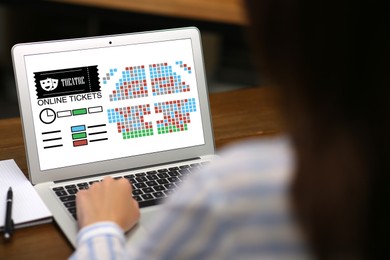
(109, 200)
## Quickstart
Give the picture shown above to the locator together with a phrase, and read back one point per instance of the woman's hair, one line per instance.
(330, 61)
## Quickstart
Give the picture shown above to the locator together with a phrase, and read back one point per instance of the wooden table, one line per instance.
(236, 115)
(224, 11)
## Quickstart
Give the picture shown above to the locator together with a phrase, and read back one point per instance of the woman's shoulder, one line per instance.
(258, 165)
(264, 159)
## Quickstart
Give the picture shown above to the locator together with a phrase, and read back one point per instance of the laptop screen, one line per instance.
(97, 104)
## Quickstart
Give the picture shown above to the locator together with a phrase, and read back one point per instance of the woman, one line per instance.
(328, 61)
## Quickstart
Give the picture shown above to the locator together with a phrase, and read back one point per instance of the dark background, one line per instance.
(226, 52)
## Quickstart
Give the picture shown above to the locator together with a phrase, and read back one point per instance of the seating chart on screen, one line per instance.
(131, 84)
(176, 115)
(165, 81)
(131, 121)
(106, 103)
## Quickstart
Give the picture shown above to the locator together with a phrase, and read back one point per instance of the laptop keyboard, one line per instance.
(149, 188)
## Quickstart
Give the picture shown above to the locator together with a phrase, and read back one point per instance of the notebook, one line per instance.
(28, 208)
(131, 105)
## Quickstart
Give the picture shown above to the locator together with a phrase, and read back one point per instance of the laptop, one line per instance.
(131, 106)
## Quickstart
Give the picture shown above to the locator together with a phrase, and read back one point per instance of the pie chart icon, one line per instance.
(47, 116)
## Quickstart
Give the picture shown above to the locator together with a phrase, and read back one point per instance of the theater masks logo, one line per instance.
(49, 84)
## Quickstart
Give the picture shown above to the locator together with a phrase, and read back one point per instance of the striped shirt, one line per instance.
(235, 208)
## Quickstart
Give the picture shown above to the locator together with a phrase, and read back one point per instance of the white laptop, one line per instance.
(131, 105)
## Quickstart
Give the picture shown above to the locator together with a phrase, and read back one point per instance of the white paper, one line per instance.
(27, 205)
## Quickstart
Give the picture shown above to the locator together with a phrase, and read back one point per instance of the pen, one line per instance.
(8, 215)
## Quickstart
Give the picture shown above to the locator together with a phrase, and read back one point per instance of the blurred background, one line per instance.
(222, 24)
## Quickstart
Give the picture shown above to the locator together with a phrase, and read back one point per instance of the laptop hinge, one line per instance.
(126, 170)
